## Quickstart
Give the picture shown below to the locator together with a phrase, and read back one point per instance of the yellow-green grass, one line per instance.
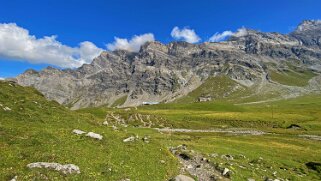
(37, 130)
(292, 78)
(218, 88)
(278, 153)
(120, 101)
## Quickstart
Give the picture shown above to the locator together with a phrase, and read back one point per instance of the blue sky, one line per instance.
(98, 22)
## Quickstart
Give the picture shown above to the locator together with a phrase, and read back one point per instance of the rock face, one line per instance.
(163, 73)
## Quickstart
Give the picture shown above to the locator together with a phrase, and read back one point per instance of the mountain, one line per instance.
(252, 66)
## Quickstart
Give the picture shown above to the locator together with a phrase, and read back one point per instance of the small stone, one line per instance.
(105, 123)
(183, 178)
(125, 179)
(94, 135)
(162, 161)
(78, 132)
(227, 157)
(214, 155)
(14, 178)
(204, 159)
(226, 172)
(250, 179)
(6, 109)
(146, 139)
(129, 139)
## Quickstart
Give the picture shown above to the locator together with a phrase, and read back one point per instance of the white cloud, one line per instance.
(1, 78)
(132, 45)
(220, 36)
(17, 44)
(185, 34)
(217, 37)
(241, 32)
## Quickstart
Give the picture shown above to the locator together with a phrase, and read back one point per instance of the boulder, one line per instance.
(94, 135)
(78, 132)
(65, 169)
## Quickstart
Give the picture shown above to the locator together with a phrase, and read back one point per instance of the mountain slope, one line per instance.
(164, 73)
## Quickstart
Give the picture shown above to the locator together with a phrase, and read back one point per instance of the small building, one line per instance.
(150, 103)
(204, 99)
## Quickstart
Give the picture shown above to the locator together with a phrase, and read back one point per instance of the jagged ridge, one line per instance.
(163, 73)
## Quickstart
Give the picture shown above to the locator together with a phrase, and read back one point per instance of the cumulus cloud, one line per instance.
(17, 44)
(185, 34)
(217, 37)
(132, 45)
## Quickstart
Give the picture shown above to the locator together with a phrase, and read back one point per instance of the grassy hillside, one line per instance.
(218, 88)
(292, 76)
(37, 130)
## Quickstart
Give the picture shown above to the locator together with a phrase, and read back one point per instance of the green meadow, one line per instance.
(38, 130)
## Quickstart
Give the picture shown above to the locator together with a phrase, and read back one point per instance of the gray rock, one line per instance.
(226, 172)
(65, 169)
(129, 139)
(7, 109)
(183, 178)
(227, 157)
(94, 135)
(214, 155)
(14, 178)
(78, 132)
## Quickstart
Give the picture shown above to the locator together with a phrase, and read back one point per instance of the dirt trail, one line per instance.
(231, 131)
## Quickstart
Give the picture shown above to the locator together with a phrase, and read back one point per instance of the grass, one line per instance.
(120, 101)
(40, 130)
(218, 88)
(294, 76)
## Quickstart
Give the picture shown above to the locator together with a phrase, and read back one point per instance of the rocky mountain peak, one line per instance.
(308, 25)
(309, 33)
(30, 72)
(154, 46)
